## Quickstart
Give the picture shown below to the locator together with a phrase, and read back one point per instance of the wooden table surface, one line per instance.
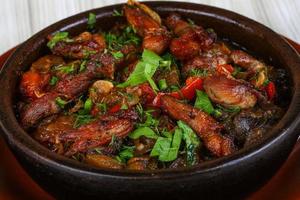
(22, 18)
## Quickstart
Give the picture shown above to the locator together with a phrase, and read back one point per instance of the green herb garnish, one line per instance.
(117, 55)
(198, 72)
(59, 36)
(167, 148)
(143, 131)
(125, 154)
(144, 70)
(82, 66)
(91, 21)
(88, 104)
(124, 107)
(82, 119)
(66, 68)
(102, 107)
(203, 102)
(53, 80)
(117, 13)
(60, 102)
(162, 83)
(191, 142)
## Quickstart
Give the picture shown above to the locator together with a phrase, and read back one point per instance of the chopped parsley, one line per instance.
(53, 80)
(82, 119)
(59, 36)
(125, 154)
(117, 55)
(82, 66)
(67, 69)
(60, 102)
(117, 13)
(91, 21)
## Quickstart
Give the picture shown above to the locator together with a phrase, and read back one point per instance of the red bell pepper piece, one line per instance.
(271, 90)
(115, 108)
(225, 69)
(187, 92)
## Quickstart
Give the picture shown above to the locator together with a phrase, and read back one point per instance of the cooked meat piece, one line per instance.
(82, 46)
(157, 40)
(141, 163)
(32, 85)
(103, 161)
(155, 37)
(39, 109)
(45, 63)
(209, 60)
(191, 41)
(73, 86)
(229, 92)
(246, 61)
(204, 125)
(49, 130)
(97, 133)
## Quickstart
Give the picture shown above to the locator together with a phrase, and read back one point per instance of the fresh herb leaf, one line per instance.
(144, 70)
(117, 55)
(198, 72)
(150, 121)
(115, 42)
(125, 154)
(162, 83)
(61, 103)
(266, 82)
(191, 22)
(117, 13)
(82, 119)
(53, 80)
(66, 68)
(167, 148)
(88, 105)
(143, 131)
(124, 107)
(91, 21)
(82, 66)
(203, 102)
(59, 36)
(88, 53)
(191, 142)
(102, 107)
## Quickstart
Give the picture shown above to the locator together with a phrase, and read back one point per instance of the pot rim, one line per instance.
(17, 138)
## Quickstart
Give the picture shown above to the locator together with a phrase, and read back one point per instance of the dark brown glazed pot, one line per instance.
(232, 176)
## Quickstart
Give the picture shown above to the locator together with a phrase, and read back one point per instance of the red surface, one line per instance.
(15, 184)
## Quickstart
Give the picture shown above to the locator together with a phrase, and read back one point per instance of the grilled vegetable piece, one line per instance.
(99, 132)
(204, 125)
(147, 24)
(229, 92)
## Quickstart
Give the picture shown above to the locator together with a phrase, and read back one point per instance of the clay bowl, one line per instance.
(234, 175)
